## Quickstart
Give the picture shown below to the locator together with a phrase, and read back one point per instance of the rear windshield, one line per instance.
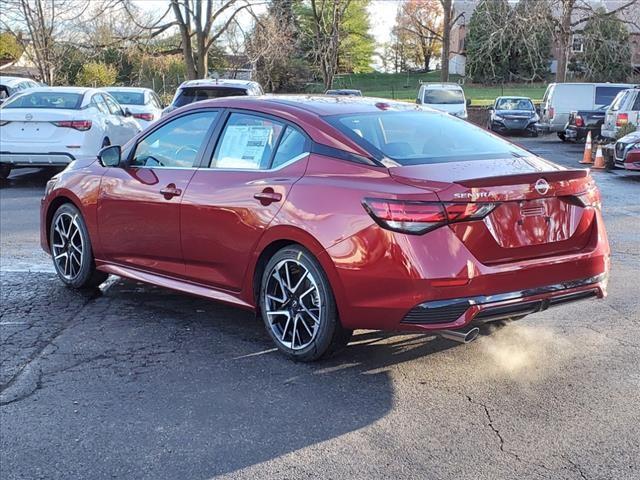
(127, 98)
(442, 96)
(605, 95)
(59, 100)
(420, 137)
(190, 95)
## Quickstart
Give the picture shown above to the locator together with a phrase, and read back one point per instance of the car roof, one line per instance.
(513, 97)
(10, 81)
(127, 89)
(321, 105)
(444, 86)
(221, 82)
(79, 90)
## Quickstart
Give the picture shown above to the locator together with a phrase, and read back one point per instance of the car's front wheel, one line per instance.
(71, 249)
(5, 170)
(298, 306)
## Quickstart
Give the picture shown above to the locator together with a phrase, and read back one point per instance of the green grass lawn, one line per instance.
(404, 86)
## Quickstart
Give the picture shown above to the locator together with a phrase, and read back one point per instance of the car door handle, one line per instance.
(268, 196)
(170, 191)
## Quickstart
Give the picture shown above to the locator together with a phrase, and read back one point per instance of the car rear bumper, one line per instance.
(36, 159)
(578, 133)
(384, 280)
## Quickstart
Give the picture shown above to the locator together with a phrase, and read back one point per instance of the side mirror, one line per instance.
(490, 108)
(127, 112)
(468, 102)
(110, 156)
(418, 101)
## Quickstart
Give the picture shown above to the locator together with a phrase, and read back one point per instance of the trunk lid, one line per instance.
(538, 212)
(36, 125)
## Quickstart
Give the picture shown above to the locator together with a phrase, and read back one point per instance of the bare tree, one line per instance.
(572, 15)
(326, 21)
(423, 20)
(41, 26)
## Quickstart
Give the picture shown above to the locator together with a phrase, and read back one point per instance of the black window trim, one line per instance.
(197, 162)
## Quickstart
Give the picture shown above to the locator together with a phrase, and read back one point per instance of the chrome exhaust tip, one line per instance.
(460, 335)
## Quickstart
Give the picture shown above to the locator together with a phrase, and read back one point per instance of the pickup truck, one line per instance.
(583, 121)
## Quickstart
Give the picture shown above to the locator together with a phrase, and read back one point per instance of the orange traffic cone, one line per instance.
(586, 157)
(599, 163)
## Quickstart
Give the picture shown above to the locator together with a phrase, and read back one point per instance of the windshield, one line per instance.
(127, 98)
(441, 96)
(420, 137)
(190, 95)
(514, 104)
(57, 100)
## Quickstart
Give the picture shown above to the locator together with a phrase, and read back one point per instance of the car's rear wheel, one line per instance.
(71, 249)
(298, 306)
(5, 170)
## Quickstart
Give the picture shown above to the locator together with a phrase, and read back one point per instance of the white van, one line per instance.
(561, 99)
(446, 97)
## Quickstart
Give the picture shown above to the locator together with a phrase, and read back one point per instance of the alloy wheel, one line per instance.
(292, 304)
(67, 245)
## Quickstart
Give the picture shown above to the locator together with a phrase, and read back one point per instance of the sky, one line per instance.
(382, 14)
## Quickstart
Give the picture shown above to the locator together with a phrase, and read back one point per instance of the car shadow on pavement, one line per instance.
(173, 386)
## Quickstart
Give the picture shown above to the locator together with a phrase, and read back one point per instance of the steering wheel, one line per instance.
(152, 161)
(185, 152)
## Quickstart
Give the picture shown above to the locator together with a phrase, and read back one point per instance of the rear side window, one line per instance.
(419, 137)
(636, 104)
(292, 146)
(56, 100)
(176, 144)
(190, 95)
(605, 95)
(247, 143)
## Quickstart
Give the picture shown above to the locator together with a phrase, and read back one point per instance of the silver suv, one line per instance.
(624, 109)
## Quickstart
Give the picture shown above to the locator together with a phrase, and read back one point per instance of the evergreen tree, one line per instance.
(488, 43)
(607, 50)
(357, 45)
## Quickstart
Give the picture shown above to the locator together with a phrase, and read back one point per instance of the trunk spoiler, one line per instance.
(518, 179)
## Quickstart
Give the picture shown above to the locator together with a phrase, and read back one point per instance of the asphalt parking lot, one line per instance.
(133, 381)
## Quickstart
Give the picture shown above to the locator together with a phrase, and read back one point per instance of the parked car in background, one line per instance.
(52, 126)
(197, 90)
(627, 152)
(329, 214)
(143, 103)
(624, 109)
(583, 122)
(513, 115)
(560, 99)
(12, 85)
(348, 92)
(446, 97)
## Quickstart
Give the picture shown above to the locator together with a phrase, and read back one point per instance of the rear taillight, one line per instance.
(622, 119)
(81, 125)
(578, 121)
(551, 112)
(421, 217)
(144, 116)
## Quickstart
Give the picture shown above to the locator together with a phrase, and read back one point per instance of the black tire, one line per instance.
(5, 170)
(330, 335)
(85, 275)
(562, 136)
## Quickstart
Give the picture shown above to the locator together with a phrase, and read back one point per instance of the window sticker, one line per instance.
(244, 146)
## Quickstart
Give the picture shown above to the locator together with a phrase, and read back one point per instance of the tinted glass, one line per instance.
(175, 144)
(636, 104)
(190, 95)
(247, 142)
(63, 101)
(114, 108)
(443, 97)
(128, 98)
(291, 147)
(413, 138)
(514, 104)
(605, 95)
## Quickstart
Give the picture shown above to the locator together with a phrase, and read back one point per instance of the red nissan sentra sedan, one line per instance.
(329, 214)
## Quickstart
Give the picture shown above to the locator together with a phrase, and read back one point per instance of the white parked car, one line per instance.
(52, 126)
(446, 97)
(624, 109)
(143, 103)
(206, 89)
(12, 85)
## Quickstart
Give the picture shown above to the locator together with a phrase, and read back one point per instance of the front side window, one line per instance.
(421, 137)
(247, 142)
(176, 144)
(441, 96)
